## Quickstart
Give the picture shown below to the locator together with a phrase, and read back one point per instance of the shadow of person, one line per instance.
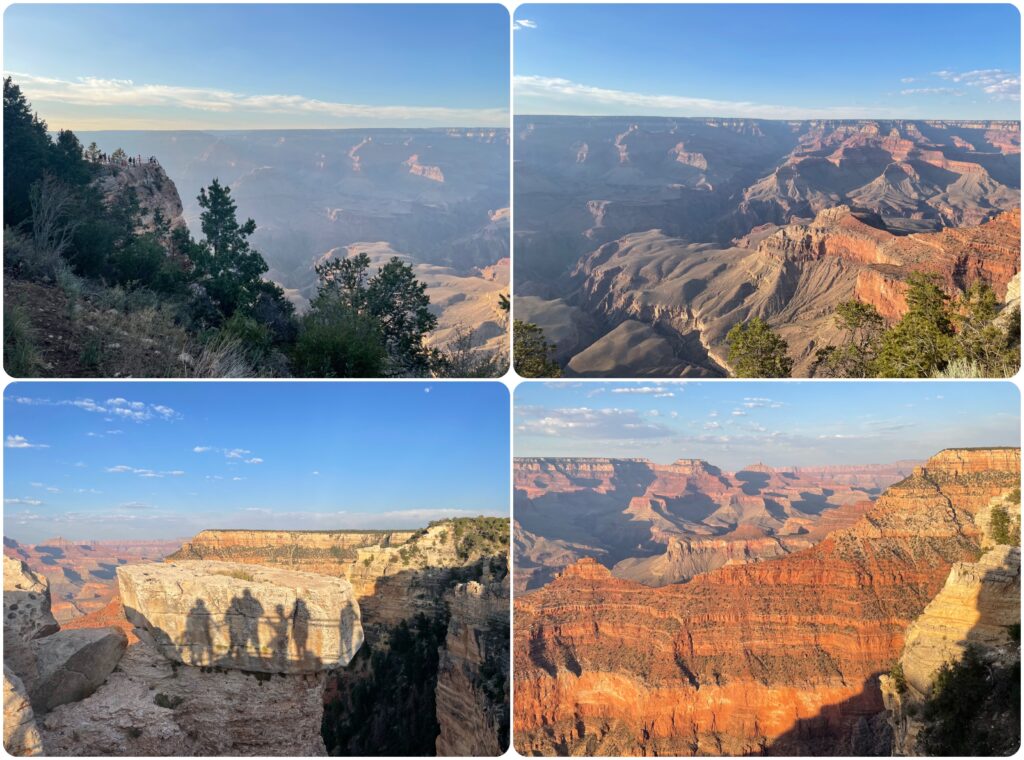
(243, 620)
(197, 637)
(279, 645)
(300, 629)
(347, 631)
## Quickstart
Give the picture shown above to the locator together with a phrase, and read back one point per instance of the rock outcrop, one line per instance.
(976, 609)
(152, 188)
(233, 615)
(472, 682)
(21, 735)
(781, 656)
(151, 706)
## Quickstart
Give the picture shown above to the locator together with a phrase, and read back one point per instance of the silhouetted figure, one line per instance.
(300, 628)
(197, 634)
(243, 619)
(280, 643)
(347, 630)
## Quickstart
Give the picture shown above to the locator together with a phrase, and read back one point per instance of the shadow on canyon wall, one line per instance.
(288, 646)
(975, 712)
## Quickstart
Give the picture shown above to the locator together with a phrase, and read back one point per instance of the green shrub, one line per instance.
(21, 359)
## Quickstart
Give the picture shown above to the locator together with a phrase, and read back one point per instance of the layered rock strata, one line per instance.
(606, 666)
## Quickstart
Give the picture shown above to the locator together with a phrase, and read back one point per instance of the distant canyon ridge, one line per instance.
(641, 241)
(435, 197)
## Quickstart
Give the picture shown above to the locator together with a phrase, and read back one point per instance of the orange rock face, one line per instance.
(958, 256)
(780, 656)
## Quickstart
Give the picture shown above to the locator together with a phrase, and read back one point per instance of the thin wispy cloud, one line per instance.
(523, 23)
(241, 455)
(581, 99)
(126, 93)
(119, 408)
(144, 472)
(933, 91)
(21, 442)
(24, 502)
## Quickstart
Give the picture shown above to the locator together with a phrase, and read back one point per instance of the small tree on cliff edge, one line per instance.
(756, 351)
(531, 352)
(224, 263)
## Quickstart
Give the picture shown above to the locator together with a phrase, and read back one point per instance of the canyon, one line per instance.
(781, 656)
(437, 198)
(641, 241)
(334, 637)
(659, 524)
(82, 575)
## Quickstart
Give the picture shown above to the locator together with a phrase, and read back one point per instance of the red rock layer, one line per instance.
(959, 257)
(780, 656)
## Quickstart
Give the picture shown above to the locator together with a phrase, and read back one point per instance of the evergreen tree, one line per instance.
(922, 342)
(756, 351)
(27, 150)
(532, 354)
(855, 356)
(226, 265)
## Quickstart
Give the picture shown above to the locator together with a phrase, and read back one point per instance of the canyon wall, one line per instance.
(430, 603)
(780, 656)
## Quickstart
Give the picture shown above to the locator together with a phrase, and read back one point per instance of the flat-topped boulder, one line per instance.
(242, 616)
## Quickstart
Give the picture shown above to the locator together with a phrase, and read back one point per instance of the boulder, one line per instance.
(71, 665)
(27, 616)
(21, 735)
(242, 616)
(27, 613)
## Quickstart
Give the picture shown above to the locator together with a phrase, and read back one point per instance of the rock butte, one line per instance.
(782, 656)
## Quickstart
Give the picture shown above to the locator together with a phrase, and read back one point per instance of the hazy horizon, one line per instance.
(166, 460)
(97, 67)
(781, 424)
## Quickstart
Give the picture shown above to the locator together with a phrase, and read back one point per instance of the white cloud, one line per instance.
(658, 391)
(523, 23)
(997, 83)
(27, 502)
(21, 442)
(201, 449)
(112, 93)
(138, 411)
(933, 91)
(144, 472)
(254, 460)
(583, 99)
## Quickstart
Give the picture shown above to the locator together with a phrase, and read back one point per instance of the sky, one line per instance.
(789, 423)
(281, 66)
(769, 61)
(166, 460)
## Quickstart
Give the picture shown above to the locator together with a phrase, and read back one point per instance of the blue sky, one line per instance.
(734, 424)
(769, 61)
(165, 460)
(261, 66)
